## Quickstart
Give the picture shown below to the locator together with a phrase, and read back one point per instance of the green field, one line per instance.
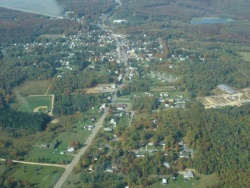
(47, 155)
(32, 88)
(161, 88)
(28, 104)
(178, 183)
(65, 138)
(34, 176)
(245, 55)
(52, 36)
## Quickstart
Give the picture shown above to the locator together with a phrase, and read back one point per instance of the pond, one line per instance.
(45, 7)
(211, 20)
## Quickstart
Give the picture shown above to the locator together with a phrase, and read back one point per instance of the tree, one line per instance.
(1, 54)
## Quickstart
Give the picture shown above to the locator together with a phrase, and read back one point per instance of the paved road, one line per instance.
(70, 167)
(74, 162)
(41, 164)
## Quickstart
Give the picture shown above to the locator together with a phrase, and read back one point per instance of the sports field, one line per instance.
(34, 104)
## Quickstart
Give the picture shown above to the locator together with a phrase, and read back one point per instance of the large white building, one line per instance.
(120, 21)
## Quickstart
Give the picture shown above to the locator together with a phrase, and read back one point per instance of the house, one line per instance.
(120, 21)
(91, 167)
(140, 155)
(112, 121)
(166, 164)
(184, 154)
(121, 106)
(89, 127)
(181, 143)
(167, 105)
(188, 174)
(109, 169)
(108, 129)
(164, 181)
(102, 107)
(71, 149)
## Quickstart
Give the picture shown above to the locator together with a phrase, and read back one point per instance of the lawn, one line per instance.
(47, 155)
(205, 180)
(32, 88)
(28, 104)
(37, 176)
(199, 181)
(50, 155)
(178, 183)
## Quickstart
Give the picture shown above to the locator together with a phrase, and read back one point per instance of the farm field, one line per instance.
(30, 103)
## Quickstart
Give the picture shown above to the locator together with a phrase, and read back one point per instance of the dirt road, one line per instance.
(40, 164)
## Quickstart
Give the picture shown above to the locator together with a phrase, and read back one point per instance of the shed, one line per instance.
(164, 181)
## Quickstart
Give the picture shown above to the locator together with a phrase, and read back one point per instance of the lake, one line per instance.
(212, 20)
(45, 7)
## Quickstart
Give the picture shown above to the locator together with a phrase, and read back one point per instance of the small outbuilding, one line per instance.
(164, 181)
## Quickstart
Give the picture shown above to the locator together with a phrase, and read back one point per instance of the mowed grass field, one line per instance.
(199, 181)
(35, 176)
(52, 36)
(65, 139)
(28, 104)
(32, 88)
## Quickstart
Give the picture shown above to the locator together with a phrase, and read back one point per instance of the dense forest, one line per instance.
(12, 121)
(19, 27)
(89, 9)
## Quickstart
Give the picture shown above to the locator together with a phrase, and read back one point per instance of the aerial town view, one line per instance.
(124, 94)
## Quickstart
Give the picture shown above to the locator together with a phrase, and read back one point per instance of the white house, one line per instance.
(164, 181)
(71, 149)
(108, 129)
(120, 21)
(167, 165)
(188, 174)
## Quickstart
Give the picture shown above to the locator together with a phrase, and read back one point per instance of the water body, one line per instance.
(197, 21)
(45, 7)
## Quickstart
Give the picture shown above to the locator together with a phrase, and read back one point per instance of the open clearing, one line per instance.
(199, 181)
(36, 176)
(65, 139)
(236, 99)
(101, 88)
(31, 103)
(32, 88)
(52, 37)
(162, 88)
(245, 56)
